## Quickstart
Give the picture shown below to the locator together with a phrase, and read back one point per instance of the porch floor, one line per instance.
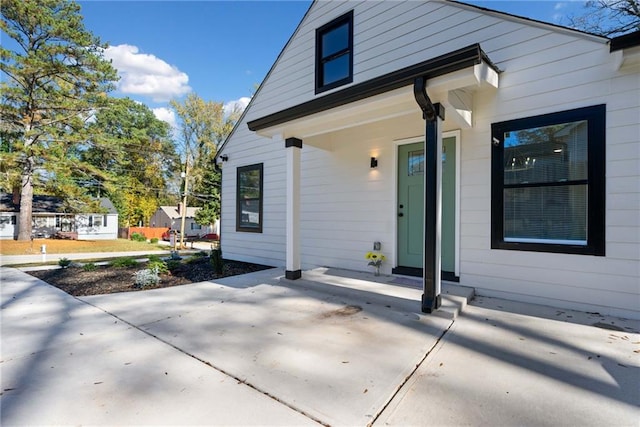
(391, 290)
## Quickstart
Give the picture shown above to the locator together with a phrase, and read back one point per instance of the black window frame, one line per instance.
(321, 60)
(239, 171)
(596, 163)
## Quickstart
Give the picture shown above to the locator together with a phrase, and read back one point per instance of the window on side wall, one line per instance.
(548, 183)
(334, 53)
(249, 198)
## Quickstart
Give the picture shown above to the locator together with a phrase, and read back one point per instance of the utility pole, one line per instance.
(184, 201)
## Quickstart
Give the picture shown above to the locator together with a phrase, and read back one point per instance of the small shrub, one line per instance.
(146, 277)
(138, 237)
(124, 262)
(89, 267)
(158, 265)
(192, 259)
(153, 240)
(154, 257)
(217, 261)
(64, 262)
(173, 264)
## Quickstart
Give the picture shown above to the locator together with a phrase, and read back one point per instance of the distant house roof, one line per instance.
(47, 204)
(173, 213)
(107, 205)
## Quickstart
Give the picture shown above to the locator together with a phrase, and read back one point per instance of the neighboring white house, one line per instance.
(519, 139)
(50, 217)
(171, 216)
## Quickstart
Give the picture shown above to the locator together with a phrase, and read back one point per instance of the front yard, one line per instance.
(54, 246)
(119, 275)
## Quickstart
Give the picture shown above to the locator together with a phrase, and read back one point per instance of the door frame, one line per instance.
(450, 134)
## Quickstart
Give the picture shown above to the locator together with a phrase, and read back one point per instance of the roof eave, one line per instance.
(435, 67)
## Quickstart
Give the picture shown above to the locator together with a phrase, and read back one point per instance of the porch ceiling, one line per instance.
(454, 90)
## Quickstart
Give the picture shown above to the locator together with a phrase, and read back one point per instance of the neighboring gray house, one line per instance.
(498, 151)
(171, 217)
(51, 217)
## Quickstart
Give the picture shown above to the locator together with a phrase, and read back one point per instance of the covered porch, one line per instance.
(359, 129)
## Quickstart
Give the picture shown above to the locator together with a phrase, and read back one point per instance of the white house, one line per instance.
(171, 217)
(502, 151)
(51, 218)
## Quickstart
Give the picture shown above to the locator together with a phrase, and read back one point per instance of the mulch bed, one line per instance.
(107, 279)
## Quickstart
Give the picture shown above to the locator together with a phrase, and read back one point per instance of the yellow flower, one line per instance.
(375, 258)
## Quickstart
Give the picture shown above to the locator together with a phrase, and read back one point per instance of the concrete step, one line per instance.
(396, 291)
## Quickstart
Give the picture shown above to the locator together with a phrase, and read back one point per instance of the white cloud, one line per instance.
(166, 115)
(559, 6)
(147, 75)
(239, 104)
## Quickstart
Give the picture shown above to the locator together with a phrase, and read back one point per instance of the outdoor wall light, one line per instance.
(224, 157)
(374, 163)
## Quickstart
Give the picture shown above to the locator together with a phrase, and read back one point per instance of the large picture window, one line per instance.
(334, 53)
(249, 199)
(548, 191)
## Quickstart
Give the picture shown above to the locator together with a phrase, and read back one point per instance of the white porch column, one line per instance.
(293, 147)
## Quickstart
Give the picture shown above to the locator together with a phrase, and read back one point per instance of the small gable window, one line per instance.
(249, 199)
(334, 53)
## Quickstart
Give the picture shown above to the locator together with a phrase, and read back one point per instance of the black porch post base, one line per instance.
(293, 275)
(429, 305)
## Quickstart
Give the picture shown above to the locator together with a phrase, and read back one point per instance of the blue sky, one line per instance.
(219, 49)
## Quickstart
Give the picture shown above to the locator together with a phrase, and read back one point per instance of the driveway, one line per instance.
(252, 350)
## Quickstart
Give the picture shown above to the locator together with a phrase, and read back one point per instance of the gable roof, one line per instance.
(265, 121)
(266, 77)
(526, 20)
(107, 205)
(172, 211)
(48, 204)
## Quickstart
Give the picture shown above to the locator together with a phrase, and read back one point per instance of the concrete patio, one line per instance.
(335, 348)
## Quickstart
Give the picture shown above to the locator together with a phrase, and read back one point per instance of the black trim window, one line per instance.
(334, 53)
(548, 182)
(249, 198)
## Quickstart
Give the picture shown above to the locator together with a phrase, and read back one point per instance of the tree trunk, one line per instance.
(26, 201)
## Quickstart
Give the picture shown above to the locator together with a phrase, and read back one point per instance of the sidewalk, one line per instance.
(252, 350)
(9, 260)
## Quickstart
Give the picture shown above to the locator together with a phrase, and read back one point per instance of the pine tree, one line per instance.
(52, 83)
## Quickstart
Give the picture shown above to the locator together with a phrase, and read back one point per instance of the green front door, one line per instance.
(411, 204)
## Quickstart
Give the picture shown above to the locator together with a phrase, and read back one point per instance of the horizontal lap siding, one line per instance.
(547, 74)
(346, 206)
(267, 247)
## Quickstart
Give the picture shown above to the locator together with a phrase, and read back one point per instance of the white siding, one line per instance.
(346, 206)
(8, 230)
(97, 232)
(606, 284)
(267, 247)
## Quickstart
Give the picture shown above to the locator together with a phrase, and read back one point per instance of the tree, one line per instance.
(53, 82)
(203, 127)
(135, 147)
(608, 18)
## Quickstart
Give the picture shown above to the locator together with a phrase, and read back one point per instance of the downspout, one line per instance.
(433, 115)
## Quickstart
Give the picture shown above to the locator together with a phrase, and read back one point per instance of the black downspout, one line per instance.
(431, 299)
